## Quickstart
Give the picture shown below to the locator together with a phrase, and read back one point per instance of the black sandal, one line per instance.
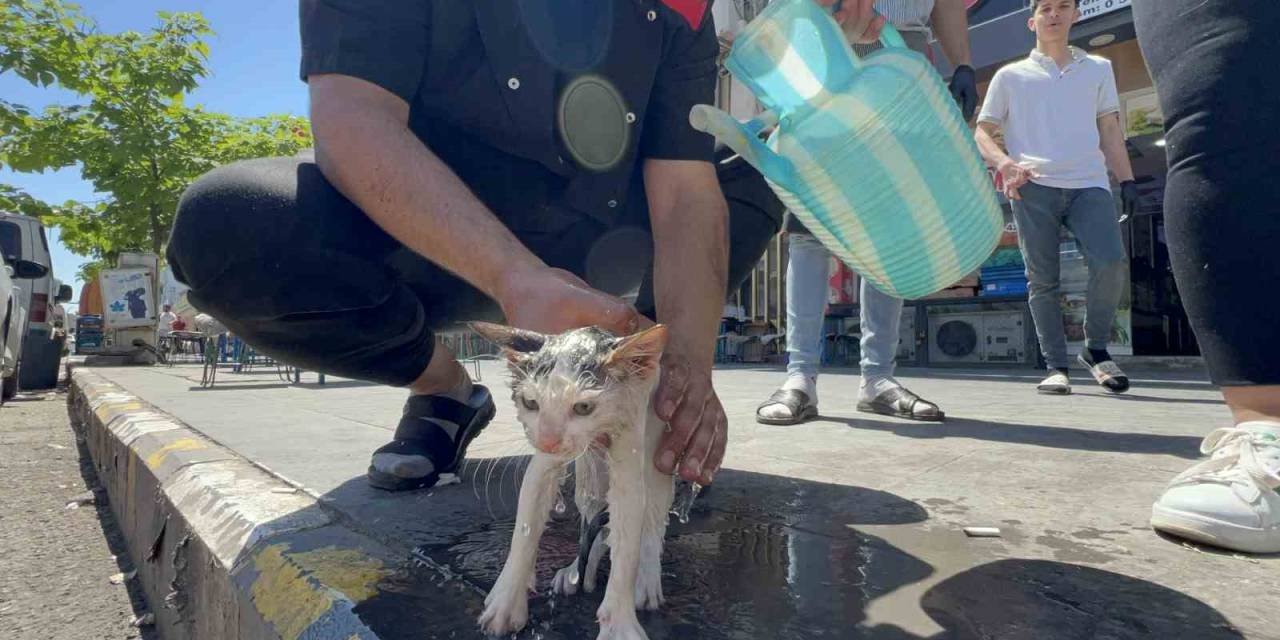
(436, 428)
(798, 402)
(901, 403)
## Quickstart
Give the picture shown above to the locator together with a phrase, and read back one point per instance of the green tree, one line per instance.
(132, 135)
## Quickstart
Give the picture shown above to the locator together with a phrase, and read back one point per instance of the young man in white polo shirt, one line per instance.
(1060, 115)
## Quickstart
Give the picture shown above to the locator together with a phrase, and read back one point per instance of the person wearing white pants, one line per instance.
(808, 266)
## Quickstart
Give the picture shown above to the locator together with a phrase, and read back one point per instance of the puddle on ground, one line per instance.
(769, 557)
(724, 576)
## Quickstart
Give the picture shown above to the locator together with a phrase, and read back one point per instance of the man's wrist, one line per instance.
(698, 357)
(514, 284)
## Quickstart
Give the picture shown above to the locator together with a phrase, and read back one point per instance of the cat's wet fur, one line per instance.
(584, 396)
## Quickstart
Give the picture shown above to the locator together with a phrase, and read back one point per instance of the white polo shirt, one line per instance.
(1049, 116)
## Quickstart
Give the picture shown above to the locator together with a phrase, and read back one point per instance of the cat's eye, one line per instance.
(584, 408)
(529, 403)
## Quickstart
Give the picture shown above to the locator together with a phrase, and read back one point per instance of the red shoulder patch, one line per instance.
(693, 11)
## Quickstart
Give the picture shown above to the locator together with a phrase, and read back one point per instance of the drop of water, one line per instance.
(524, 528)
(635, 451)
(574, 577)
(560, 506)
(686, 493)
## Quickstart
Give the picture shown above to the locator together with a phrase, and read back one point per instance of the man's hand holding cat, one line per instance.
(687, 402)
(551, 300)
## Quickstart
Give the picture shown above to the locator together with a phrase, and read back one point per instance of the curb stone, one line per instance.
(223, 548)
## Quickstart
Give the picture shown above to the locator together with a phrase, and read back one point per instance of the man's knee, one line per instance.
(234, 213)
(1039, 283)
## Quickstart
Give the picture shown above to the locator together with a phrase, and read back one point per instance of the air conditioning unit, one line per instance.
(1004, 338)
(994, 337)
(955, 338)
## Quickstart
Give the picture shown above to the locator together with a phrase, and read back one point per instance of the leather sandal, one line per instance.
(899, 402)
(797, 402)
(436, 428)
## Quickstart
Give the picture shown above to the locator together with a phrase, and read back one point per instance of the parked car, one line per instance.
(39, 352)
(13, 319)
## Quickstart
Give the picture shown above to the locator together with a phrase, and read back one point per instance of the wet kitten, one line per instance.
(573, 393)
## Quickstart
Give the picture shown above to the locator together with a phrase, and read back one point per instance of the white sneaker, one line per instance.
(1229, 500)
(1057, 383)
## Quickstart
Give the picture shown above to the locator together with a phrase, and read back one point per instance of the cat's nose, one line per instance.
(548, 442)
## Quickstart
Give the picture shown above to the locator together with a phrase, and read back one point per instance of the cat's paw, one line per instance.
(567, 580)
(619, 623)
(649, 585)
(506, 609)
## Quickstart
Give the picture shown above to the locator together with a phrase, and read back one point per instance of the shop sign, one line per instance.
(1094, 8)
(127, 298)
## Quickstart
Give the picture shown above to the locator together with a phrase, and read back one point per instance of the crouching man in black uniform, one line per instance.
(478, 160)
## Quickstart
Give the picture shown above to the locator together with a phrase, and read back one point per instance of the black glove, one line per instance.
(1128, 199)
(964, 88)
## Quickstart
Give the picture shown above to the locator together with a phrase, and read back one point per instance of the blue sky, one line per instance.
(253, 61)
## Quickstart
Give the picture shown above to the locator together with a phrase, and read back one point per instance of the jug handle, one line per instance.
(743, 138)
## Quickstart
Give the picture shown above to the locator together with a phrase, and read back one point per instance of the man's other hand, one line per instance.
(858, 18)
(1014, 176)
(694, 445)
(1128, 199)
(552, 301)
(964, 88)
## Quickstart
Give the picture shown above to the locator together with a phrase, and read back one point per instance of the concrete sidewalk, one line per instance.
(845, 527)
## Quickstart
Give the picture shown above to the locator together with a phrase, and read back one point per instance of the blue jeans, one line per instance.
(808, 267)
(1090, 214)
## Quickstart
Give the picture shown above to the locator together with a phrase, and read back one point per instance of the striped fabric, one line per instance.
(872, 154)
(906, 15)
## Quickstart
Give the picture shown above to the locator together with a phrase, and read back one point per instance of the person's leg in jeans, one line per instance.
(880, 321)
(1038, 215)
(808, 268)
(1091, 216)
(1212, 64)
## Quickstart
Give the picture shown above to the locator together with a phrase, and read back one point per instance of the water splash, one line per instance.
(686, 493)
(560, 506)
(524, 528)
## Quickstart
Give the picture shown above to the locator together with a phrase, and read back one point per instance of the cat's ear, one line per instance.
(515, 343)
(637, 355)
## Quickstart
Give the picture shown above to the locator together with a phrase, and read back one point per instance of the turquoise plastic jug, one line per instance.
(872, 154)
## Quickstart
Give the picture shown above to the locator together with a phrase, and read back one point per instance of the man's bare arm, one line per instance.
(689, 217)
(365, 148)
(690, 221)
(1113, 147)
(950, 22)
(985, 136)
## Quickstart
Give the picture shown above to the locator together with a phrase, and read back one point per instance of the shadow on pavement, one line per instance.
(1133, 397)
(1038, 435)
(225, 384)
(1031, 599)
(761, 556)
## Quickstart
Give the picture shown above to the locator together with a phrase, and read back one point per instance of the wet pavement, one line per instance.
(847, 527)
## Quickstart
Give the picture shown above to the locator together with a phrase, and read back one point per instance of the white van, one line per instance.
(13, 319)
(40, 353)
